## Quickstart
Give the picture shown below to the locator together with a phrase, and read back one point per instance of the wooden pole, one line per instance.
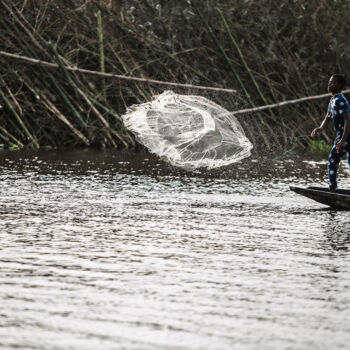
(115, 76)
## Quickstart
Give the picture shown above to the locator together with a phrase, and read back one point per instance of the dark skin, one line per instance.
(334, 88)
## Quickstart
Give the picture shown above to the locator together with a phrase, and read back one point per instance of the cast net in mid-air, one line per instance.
(188, 131)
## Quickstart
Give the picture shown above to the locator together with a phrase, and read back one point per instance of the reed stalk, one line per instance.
(211, 32)
(11, 137)
(51, 107)
(241, 56)
(79, 93)
(19, 120)
(106, 125)
(13, 98)
(21, 23)
(124, 133)
(4, 138)
(102, 54)
(65, 72)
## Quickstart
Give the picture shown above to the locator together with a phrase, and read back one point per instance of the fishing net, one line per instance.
(188, 131)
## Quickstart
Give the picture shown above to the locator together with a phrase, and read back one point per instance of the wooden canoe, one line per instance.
(339, 199)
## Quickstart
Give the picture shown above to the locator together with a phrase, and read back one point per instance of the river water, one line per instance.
(115, 250)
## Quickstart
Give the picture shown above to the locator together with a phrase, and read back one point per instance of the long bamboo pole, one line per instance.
(123, 77)
(116, 76)
(284, 103)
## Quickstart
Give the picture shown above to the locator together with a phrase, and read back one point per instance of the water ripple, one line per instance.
(115, 256)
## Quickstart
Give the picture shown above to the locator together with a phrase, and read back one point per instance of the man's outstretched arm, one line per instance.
(322, 126)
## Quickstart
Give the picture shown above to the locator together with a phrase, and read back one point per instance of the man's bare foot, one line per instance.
(333, 190)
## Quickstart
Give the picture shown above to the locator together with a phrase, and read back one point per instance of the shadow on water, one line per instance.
(337, 230)
(84, 161)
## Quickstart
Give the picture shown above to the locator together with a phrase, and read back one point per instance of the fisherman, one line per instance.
(339, 112)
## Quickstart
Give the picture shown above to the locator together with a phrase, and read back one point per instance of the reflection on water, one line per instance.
(108, 250)
(337, 228)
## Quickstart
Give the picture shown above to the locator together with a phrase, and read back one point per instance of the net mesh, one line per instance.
(188, 131)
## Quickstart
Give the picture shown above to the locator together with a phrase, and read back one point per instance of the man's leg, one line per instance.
(333, 164)
(347, 150)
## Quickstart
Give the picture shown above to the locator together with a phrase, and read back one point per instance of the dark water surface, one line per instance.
(108, 250)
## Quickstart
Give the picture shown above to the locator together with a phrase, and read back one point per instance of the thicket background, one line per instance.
(268, 50)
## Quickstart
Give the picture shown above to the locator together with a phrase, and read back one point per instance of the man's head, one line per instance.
(336, 83)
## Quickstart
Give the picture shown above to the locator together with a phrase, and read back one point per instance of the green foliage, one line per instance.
(319, 147)
(14, 147)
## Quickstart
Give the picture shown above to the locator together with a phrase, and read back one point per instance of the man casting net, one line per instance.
(188, 131)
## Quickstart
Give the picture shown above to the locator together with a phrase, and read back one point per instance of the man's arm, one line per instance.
(322, 126)
(341, 143)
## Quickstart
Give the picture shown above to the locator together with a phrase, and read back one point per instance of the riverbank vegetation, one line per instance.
(268, 51)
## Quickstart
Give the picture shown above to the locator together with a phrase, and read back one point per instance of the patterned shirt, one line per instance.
(338, 106)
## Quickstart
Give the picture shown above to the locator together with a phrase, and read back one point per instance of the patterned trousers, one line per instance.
(333, 163)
